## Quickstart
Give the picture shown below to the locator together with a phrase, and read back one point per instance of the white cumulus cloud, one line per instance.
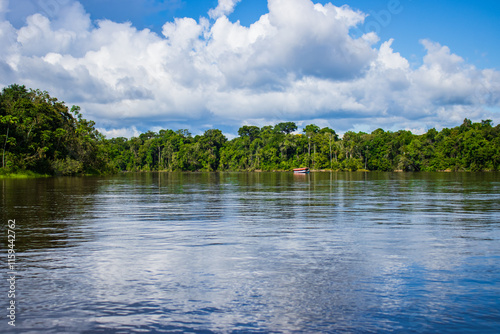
(298, 62)
(224, 8)
(4, 5)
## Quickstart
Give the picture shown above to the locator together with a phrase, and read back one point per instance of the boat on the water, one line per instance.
(304, 170)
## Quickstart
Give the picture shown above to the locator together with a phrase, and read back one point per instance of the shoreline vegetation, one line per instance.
(40, 136)
(20, 174)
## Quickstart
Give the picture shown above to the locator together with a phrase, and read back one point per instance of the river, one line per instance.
(253, 253)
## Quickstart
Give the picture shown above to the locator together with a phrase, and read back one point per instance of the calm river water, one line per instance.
(254, 253)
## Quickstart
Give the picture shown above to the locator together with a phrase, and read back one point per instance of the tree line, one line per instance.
(41, 134)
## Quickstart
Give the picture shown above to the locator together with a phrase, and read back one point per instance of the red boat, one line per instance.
(304, 170)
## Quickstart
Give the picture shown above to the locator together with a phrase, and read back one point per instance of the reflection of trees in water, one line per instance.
(52, 212)
(48, 212)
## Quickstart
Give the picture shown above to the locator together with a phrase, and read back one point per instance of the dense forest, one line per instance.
(38, 133)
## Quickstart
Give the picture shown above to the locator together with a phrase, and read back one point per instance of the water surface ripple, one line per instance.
(256, 253)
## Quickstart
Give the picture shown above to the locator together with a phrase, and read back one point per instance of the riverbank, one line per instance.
(26, 174)
(20, 174)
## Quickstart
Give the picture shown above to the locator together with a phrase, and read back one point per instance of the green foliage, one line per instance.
(249, 131)
(471, 146)
(39, 134)
(286, 127)
(19, 174)
(67, 166)
(311, 129)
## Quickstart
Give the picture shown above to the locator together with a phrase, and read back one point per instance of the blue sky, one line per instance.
(469, 28)
(146, 64)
